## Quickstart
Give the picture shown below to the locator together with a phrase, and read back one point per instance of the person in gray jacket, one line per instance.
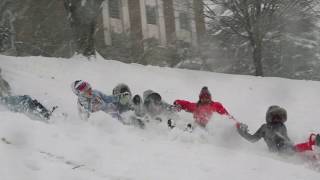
(152, 107)
(274, 133)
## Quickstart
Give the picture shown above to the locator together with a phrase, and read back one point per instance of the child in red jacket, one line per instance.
(203, 109)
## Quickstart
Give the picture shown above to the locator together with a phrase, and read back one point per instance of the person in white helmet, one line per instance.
(90, 101)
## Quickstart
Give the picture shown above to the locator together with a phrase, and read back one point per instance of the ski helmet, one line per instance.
(80, 86)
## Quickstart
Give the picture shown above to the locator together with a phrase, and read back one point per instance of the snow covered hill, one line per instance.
(102, 148)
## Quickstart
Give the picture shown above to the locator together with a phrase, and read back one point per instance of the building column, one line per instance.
(169, 19)
(106, 23)
(136, 25)
(161, 25)
(199, 19)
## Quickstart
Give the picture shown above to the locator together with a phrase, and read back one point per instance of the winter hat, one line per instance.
(79, 87)
(120, 89)
(205, 93)
(276, 114)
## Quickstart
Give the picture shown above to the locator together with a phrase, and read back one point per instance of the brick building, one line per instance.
(168, 21)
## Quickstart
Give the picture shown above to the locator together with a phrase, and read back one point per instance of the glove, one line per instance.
(189, 128)
(242, 127)
(175, 108)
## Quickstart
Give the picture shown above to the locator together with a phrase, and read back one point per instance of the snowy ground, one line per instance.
(102, 148)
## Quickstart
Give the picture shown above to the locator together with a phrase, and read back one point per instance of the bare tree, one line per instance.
(82, 15)
(254, 20)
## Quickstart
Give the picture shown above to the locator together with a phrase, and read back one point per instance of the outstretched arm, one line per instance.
(186, 105)
(218, 107)
(243, 131)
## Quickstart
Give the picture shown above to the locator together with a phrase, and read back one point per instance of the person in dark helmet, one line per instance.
(203, 109)
(90, 101)
(123, 94)
(274, 133)
(27, 105)
(155, 108)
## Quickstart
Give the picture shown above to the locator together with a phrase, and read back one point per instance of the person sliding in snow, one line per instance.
(274, 133)
(153, 108)
(203, 109)
(90, 101)
(25, 104)
(156, 108)
(123, 94)
(125, 103)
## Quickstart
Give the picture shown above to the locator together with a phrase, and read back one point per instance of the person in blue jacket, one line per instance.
(91, 100)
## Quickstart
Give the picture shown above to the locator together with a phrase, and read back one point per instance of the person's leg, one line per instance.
(37, 107)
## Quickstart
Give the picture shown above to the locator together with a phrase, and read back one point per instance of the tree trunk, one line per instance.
(84, 38)
(257, 58)
(82, 17)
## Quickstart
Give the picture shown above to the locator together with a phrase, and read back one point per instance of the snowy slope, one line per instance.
(68, 148)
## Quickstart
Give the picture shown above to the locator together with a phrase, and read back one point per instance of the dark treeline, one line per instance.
(256, 37)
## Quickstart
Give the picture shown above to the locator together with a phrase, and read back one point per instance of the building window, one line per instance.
(151, 12)
(184, 21)
(114, 9)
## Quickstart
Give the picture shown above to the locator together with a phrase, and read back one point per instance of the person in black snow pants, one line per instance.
(27, 105)
(274, 133)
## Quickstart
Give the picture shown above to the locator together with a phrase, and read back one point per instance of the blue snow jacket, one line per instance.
(98, 102)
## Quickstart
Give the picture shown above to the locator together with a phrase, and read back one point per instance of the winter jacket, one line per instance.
(201, 112)
(161, 110)
(274, 134)
(98, 102)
